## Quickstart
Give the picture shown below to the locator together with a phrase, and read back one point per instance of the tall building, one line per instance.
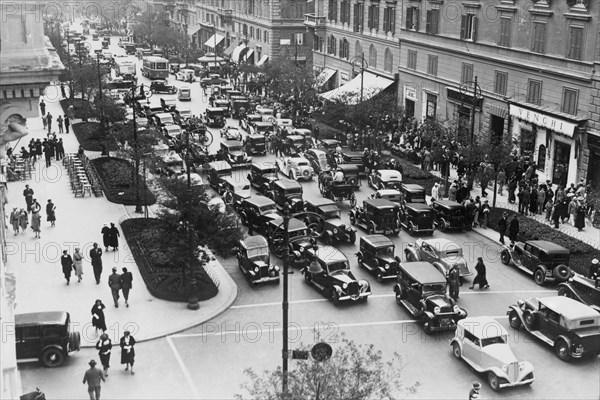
(28, 63)
(536, 64)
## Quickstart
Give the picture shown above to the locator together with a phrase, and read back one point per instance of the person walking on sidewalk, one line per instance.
(435, 192)
(114, 237)
(48, 154)
(533, 201)
(62, 90)
(105, 236)
(60, 150)
(98, 319)
(572, 209)
(502, 225)
(513, 229)
(114, 283)
(67, 265)
(35, 207)
(59, 122)
(126, 284)
(481, 277)
(51, 213)
(23, 220)
(485, 213)
(96, 257)
(36, 222)
(93, 377)
(67, 123)
(49, 122)
(14, 220)
(28, 194)
(453, 282)
(580, 215)
(127, 344)
(104, 346)
(45, 122)
(43, 107)
(78, 263)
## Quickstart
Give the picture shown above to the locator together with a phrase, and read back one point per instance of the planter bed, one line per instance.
(116, 175)
(81, 108)
(163, 281)
(91, 136)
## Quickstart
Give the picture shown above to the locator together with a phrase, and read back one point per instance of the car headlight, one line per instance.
(276, 268)
(505, 368)
(521, 365)
(387, 266)
(437, 310)
(456, 309)
(256, 269)
(345, 286)
(335, 231)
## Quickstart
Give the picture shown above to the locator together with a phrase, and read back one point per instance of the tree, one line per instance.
(154, 29)
(497, 152)
(357, 372)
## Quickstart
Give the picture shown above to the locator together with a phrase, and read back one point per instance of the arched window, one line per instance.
(388, 61)
(357, 49)
(345, 49)
(332, 45)
(372, 57)
(541, 161)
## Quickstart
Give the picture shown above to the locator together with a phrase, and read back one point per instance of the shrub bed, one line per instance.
(164, 281)
(91, 136)
(82, 109)
(116, 175)
(530, 229)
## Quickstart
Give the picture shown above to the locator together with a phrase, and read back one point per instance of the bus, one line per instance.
(155, 67)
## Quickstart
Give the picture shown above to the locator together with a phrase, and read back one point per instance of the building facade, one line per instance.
(528, 69)
(28, 63)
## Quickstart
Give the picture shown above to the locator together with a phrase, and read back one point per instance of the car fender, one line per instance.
(542, 267)
(398, 259)
(499, 372)
(381, 269)
(52, 346)
(454, 340)
(440, 266)
(413, 251)
(519, 312)
(428, 315)
(568, 341)
(337, 289)
(397, 288)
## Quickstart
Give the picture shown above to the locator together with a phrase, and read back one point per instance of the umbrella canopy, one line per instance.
(209, 58)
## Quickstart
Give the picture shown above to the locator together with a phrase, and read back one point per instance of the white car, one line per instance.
(295, 167)
(231, 133)
(172, 131)
(186, 75)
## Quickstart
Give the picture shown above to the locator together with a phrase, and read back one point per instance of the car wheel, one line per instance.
(514, 320)
(335, 297)
(441, 225)
(493, 381)
(561, 348)
(427, 327)
(563, 291)
(539, 276)
(52, 358)
(530, 320)
(456, 350)
(352, 219)
(505, 257)
(562, 272)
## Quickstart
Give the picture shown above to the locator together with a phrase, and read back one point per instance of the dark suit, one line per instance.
(67, 266)
(96, 256)
(114, 282)
(126, 284)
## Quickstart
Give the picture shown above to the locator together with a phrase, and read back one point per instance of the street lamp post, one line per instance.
(363, 67)
(142, 95)
(477, 93)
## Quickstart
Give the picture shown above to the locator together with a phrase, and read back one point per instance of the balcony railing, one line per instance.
(314, 21)
(225, 12)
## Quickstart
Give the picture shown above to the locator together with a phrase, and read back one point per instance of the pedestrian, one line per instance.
(93, 377)
(533, 201)
(549, 207)
(572, 209)
(114, 283)
(48, 154)
(67, 265)
(476, 211)
(513, 229)
(502, 225)
(45, 123)
(51, 213)
(62, 90)
(35, 207)
(78, 263)
(580, 216)
(105, 236)
(452, 191)
(49, 122)
(36, 222)
(126, 284)
(556, 214)
(127, 344)
(485, 212)
(501, 181)
(453, 282)
(14, 220)
(60, 150)
(67, 123)
(96, 257)
(59, 122)
(594, 269)
(23, 220)
(28, 194)
(43, 107)
(98, 320)
(114, 237)
(541, 198)
(474, 392)
(435, 192)
(104, 346)
(480, 278)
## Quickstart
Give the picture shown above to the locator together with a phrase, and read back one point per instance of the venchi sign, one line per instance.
(543, 120)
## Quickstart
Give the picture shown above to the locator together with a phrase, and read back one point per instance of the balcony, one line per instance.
(225, 13)
(312, 21)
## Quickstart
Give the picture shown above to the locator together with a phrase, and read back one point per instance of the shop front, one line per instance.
(593, 172)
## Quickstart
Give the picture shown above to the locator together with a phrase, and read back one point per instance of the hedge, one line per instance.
(91, 136)
(116, 175)
(83, 109)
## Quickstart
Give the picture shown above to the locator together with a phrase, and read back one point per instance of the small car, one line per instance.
(298, 233)
(231, 133)
(162, 119)
(215, 117)
(246, 121)
(184, 93)
(212, 81)
(544, 260)
(376, 216)
(284, 191)
(262, 175)
(385, 179)
(412, 193)
(570, 327)
(331, 228)
(356, 158)
(256, 211)
(256, 144)
(180, 116)
(482, 342)
(259, 127)
(185, 74)
(442, 253)
(449, 215)
(319, 160)
(416, 218)
(295, 168)
(216, 171)
(234, 154)
(173, 164)
(236, 105)
(329, 145)
(392, 195)
(376, 254)
(294, 145)
(172, 131)
(224, 104)
(421, 289)
(329, 272)
(235, 191)
(46, 336)
(160, 86)
(351, 175)
(254, 260)
(582, 289)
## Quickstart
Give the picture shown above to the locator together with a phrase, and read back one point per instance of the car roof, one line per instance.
(321, 201)
(377, 240)
(295, 224)
(418, 206)
(303, 130)
(256, 136)
(389, 173)
(384, 192)
(262, 123)
(330, 254)
(215, 109)
(231, 143)
(219, 165)
(381, 203)
(317, 152)
(236, 181)
(330, 141)
(548, 247)
(413, 187)
(260, 201)
(441, 243)
(254, 242)
(287, 184)
(569, 308)
(348, 167)
(483, 327)
(249, 116)
(448, 203)
(264, 166)
(295, 137)
(163, 115)
(423, 272)
(42, 318)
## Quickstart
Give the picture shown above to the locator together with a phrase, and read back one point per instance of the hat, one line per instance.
(92, 363)
(476, 385)
(595, 261)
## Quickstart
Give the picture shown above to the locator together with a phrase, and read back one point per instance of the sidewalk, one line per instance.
(41, 285)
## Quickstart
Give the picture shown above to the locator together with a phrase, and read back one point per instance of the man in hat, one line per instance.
(114, 282)
(502, 225)
(594, 271)
(93, 378)
(474, 392)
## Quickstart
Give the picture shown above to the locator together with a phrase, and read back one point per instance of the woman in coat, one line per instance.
(14, 220)
(113, 237)
(105, 236)
(480, 278)
(23, 220)
(104, 346)
(533, 201)
(580, 216)
(98, 320)
(78, 263)
(36, 221)
(127, 344)
(513, 229)
(51, 213)
(67, 265)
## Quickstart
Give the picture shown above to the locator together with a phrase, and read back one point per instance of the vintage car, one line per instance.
(376, 254)
(442, 253)
(224, 104)
(186, 75)
(392, 195)
(294, 145)
(376, 216)
(421, 289)
(233, 152)
(483, 343)
(172, 164)
(215, 117)
(161, 87)
(385, 179)
(261, 128)
(416, 218)
(356, 158)
(544, 260)
(329, 145)
(168, 105)
(216, 171)
(331, 228)
(319, 160)
(249, 119)
(236, 104)
(262, 175)
(449, 215)
(231, 133)
(582, 289)
(300, 131)
(212, 81)
(184, 93)
(300, 237)
(351, 174)
(171, 131)
(295, 167)
(570, 327)
(256, 144)
(329, 272)
(412, 193)
(235, 190)
(45, 336)
(254, 261)
(256, 211)
(284, 191)
(161, 119)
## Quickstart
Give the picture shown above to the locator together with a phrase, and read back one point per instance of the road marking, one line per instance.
(184, 369)
(279, 303)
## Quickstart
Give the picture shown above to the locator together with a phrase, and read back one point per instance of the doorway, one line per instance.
(562, 154)
(593, 173)
(409, 108)
(496, 128)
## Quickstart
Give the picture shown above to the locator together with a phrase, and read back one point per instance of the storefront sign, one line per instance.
(345, 77)
(543, 120)
(410, 93)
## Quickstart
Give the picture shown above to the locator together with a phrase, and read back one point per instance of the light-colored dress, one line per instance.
(78, 264)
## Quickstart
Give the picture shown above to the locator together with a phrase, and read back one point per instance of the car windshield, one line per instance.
(494, 340)
(259, 254)
(302, 164)
(234, 148)
(385, 251)
(434, 287)
(293, 191)
(332, 214)
(269, 207)
(416, 197)
(338, 266)
(298, 233)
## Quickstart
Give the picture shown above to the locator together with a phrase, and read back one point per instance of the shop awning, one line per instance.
(350, 93)
(262, 60)
(324, 76)
(235, 56)
(192, 30)
(214, 38)
(248, 54)
(228, 51)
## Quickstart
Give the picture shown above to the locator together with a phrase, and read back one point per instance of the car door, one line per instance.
(414, 293)
(426, 253)
(471, 349)
(27, 341)
(529, 257)
(549, 322)
(322, 279)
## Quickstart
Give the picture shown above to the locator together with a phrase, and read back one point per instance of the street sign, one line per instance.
(321, 351)
(299, 355)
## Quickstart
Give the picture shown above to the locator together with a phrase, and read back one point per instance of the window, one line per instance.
(258, 35)
(389, 20)
(388, 61)
(359, 17)
(505, 31)
(298, 38)
(250, 7)
(541, 161)
(500, 83)
(432, 65)
(245, 30)
(411, 60)
(468, 27)
(252, 32)
(344, 49)
(534, 91)
(412, 18)
(345, 12)
(372, 57)
(575, 43)
(432, 22)
(358, 51)
(373, 17)
(431, 106)
(467, 73)
(266, 37)
(333, 12)
(538, 44)
(331, 45)
(569, 101)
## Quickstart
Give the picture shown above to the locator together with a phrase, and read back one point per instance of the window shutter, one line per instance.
(575, 43)
(355, 17)
(463, 26)
(409, 17)
(435, 20)
(370, 16)
(474, 28)
(376, 12)
(428, 21)
(392, 20)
